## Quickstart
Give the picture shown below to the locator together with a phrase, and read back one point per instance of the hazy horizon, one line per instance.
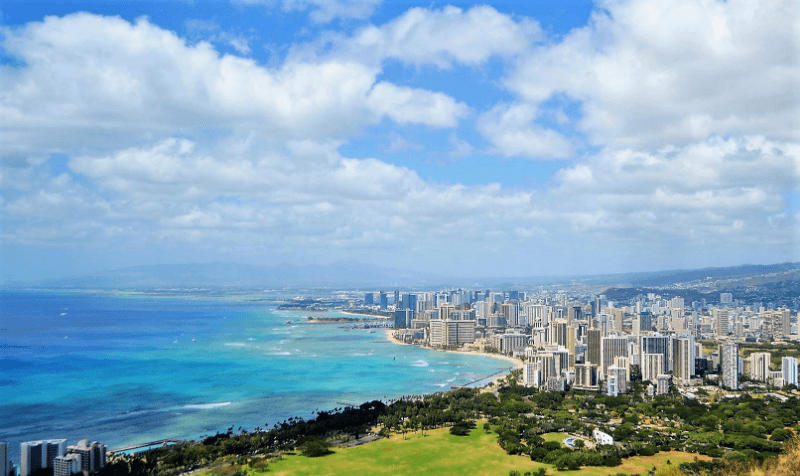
(507, 139)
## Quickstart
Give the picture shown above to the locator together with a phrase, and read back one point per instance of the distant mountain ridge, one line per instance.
(353, 275)
(222, 274)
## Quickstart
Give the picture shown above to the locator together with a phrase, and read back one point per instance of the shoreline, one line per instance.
(518, 364)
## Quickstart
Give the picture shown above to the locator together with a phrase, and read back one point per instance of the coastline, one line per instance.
(518, 364)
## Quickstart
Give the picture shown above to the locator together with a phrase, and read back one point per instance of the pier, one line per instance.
(164, 442)
(466, 385)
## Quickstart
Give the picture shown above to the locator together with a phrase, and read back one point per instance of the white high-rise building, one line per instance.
(683, 355)
(789, 370)
(730, 366)
(652, 366)
(35, 455)
(67, 465)
(613, 347)
(759, 366)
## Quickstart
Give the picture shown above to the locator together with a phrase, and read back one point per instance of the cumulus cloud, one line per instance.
(441, 37)
(649, 73)
(408, 105)
(322, 11)
(173, 144)
(513, 131)
(86, 78)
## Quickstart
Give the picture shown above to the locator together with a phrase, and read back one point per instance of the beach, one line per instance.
(518, 364)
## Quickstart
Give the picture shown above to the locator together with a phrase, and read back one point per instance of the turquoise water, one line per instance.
(125, 369)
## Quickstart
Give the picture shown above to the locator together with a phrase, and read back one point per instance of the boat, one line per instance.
(288, 322)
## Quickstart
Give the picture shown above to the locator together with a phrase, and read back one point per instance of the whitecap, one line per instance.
(419, 363)
(206, 406)
(236, 344)
(452, 379)
(431, 370)
(281, 353)
(249, 338)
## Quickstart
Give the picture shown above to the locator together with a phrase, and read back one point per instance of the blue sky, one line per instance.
(501, 139)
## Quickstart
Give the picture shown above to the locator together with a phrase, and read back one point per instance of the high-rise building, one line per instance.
(730, 366)
(620, 379)
(384, 301)
(726, 298)
(683, 353)
(789, 370)
(39, 454)
(662, 386)
(759, 366)
(586, 377)
(652, 366)
(67, 465)
(403, 318)
(451, 332)
(369, 299)
(594, 349)
(613, 347)
(645, 321)
(656, 344)
(5, 464)
(93, 455)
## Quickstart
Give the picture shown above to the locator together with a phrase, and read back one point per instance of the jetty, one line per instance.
(160, 443)
(466, 385)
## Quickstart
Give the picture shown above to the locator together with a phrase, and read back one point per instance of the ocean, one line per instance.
(125, 368)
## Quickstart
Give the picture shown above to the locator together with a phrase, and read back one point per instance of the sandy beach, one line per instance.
(518, 364)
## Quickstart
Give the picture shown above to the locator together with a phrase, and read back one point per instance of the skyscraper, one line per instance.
(656, 344)
(759, 366)
(5, 464)
(35, 455)
(730, 366)
(683, 355)
(594, 348)
(613, 347)
(789, 370)
(93, 455)
(652, 366)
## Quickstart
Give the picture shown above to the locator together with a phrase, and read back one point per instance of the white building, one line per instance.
(652, 366)
(602, 438)
(730, 366)
(789, 370)
(452, 332)
(35, 455)
(759, 366)
(67, 465)
(93, 455)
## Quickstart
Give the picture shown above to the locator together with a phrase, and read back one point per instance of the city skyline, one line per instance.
(507, 139)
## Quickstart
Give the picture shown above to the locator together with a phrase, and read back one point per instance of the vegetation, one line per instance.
(519, 421)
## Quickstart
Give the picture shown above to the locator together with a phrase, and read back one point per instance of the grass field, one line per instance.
(554, 437)
(439, 452)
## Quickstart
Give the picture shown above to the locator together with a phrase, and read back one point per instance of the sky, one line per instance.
(516, 138)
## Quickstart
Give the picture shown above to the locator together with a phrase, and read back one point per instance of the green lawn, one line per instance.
(442, 453)
(554, 437)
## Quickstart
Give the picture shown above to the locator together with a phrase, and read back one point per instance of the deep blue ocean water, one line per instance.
(127, 368)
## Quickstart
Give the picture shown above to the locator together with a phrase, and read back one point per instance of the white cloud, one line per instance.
(513, 131)
(408, 105)
(322, 11)
(95, 81)
(441, 37)
(651, 73)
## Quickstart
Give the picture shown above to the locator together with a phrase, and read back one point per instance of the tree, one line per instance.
(314, 447)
